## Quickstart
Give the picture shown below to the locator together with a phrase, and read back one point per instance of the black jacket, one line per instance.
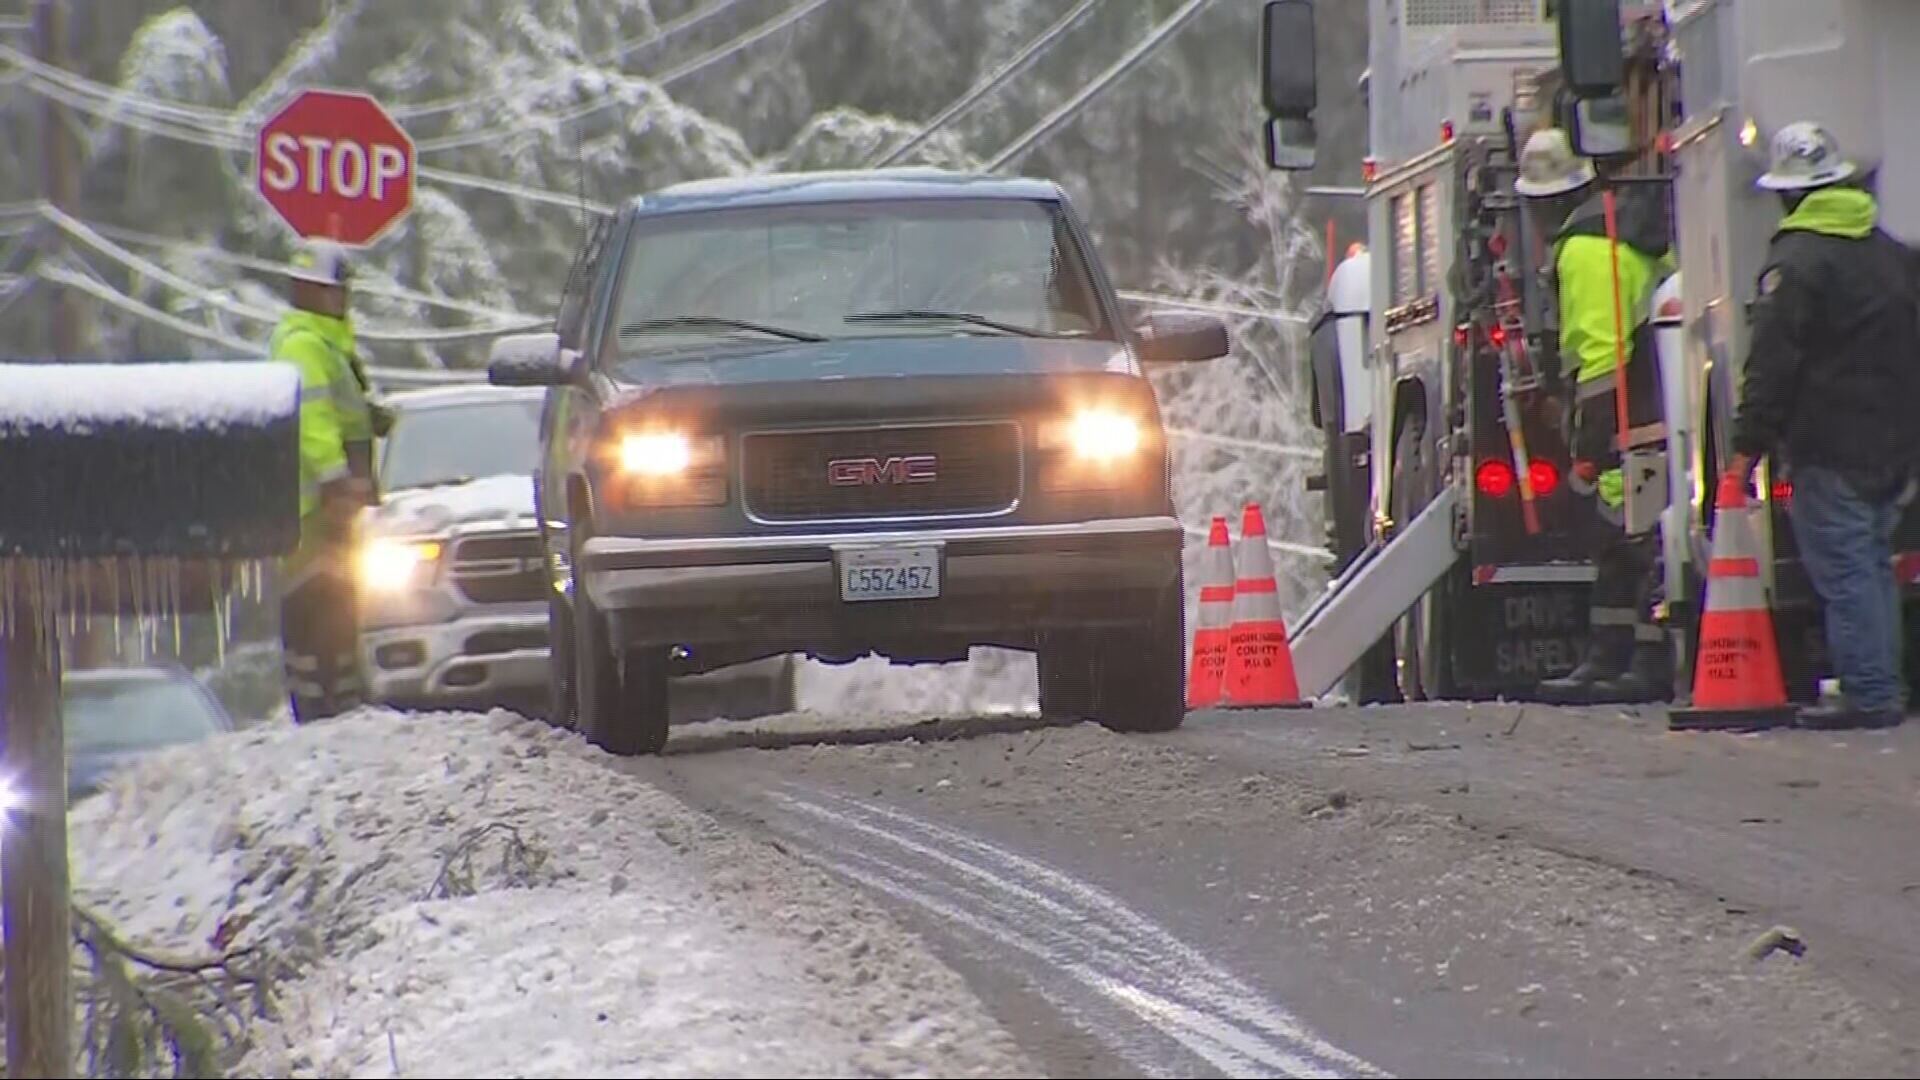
(1833, 371)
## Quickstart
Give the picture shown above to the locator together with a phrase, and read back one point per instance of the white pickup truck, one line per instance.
(452, 594)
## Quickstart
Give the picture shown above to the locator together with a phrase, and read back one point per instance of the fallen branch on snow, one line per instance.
(145, 1010)
(520, 862)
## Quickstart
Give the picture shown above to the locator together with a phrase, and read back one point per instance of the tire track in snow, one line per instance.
(1075, 929)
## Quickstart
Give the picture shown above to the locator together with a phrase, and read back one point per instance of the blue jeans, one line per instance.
(1846, 544)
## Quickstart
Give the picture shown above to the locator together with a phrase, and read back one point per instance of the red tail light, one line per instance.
(1461, 335)
(1545, 478)
(1494, 479)
(1498, 335)
(1783, 491)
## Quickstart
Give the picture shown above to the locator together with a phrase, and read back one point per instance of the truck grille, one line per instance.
(499, 568)
(928, 470)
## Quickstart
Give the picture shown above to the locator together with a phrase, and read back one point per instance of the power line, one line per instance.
(60, 275)
(1053, 121)
(215, 141)
(686, 70)
(615, 55)
(1218, 307)
(509, 187)
(228, 123)
(209, 253)
(1278, 449)
(1020, 62)
(79, 231)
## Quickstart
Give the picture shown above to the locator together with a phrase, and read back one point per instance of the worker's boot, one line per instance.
(1608, 649)
(1648, 678)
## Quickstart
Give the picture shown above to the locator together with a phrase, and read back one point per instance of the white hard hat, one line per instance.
(322, 262)
(1805, 155)
(1548, 166)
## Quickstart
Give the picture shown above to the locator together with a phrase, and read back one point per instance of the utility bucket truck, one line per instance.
(1437, 380)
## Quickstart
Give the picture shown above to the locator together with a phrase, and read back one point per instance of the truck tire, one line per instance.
(1131, 681)
(620, 703)
(1420, 657)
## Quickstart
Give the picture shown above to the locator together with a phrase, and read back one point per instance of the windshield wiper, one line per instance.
(714, 322)
(924, 315)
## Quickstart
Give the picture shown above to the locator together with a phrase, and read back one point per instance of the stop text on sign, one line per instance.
(335, 165)
(341, 166)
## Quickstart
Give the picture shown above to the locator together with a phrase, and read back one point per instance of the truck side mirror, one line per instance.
(1601, 127)
(1292, 145)
(1287, 73)
(1592, 48)
(1179, 336)
(528, 360)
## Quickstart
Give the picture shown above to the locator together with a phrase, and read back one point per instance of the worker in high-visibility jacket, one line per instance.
(1627, 657)
(319, 618)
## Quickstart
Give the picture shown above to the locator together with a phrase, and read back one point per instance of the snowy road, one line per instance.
(484, 896)
(1263, 895)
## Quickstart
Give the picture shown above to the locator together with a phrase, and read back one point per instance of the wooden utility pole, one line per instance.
(34, 899)
(60, 187)
(59, 168)
(35, 903)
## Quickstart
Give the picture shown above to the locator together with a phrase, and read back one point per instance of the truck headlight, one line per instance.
(1093, 449)
(670, 468)
(1103, 436)
(388, 566)
(666, 453)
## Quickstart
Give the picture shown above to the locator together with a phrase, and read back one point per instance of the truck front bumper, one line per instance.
(1000, 585)
(476, 659)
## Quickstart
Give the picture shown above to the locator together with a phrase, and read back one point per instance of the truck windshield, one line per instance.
(452, 444)
(763, 278)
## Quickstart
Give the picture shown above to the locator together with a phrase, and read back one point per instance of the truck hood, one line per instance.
(493, 502)
(882, 357)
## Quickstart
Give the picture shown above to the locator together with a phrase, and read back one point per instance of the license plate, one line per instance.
(890, 573)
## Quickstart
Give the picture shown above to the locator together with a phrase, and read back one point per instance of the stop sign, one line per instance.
(335, 165)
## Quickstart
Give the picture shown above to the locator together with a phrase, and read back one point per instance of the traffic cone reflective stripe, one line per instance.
(1206, 676)
(1259, 660)
(1737, 684)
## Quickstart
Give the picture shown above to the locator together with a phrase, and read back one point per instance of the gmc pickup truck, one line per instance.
(835, 414)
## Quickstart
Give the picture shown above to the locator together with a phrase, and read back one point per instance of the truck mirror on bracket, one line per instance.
(1292, 145)
(1601, 127)
(1288, 83)
(1592, 48)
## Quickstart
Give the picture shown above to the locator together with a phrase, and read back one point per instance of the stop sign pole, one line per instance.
(334, 165)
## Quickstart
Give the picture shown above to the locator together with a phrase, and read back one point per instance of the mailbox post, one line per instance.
(133, 488)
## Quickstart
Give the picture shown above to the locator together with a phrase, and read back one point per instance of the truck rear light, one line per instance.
(1545, 478)
(1497, 333)
(1783, 491)
(1494, 479)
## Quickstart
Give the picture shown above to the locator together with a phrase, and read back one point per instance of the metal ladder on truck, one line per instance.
(1381, 584)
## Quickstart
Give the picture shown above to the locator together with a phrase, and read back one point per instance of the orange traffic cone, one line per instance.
(1736, 679)
(1259, 661)
(1206, 677)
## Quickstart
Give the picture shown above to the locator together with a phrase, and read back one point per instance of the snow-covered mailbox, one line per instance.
(140, 489)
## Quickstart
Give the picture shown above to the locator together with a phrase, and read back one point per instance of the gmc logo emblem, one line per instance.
(871, 472)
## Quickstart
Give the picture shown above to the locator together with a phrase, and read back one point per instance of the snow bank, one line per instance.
(179, 396)
(484, 896)
(988, 681)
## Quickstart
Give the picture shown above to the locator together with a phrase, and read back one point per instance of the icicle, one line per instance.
(173, 601)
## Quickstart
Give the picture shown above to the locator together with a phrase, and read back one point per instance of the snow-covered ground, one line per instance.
(481, 895)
